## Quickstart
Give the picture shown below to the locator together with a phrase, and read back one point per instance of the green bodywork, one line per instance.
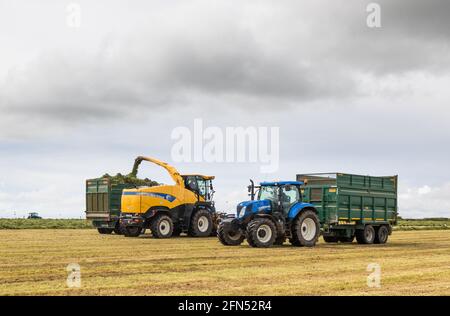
(103, 200)
(346, 202)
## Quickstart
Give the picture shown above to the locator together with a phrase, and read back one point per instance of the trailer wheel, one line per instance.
(105, 231)
(229, 237)
(162, 226)
(306, 229)
(261, 233)
(366, 235)
(201, 224)
(330, 239)
(347, 239)
(132, 231)
(382, 235)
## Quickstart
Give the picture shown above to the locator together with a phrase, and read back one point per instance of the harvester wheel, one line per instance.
(330, 239)
(261, 233)
(366, 235)
(105, 231)
(382, 234)
(162, 226)
(201, 224)
(229, 237)
(306, 229)
(132, 231)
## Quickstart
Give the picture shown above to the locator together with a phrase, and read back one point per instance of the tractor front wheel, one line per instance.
(261, 233)
(230, 237)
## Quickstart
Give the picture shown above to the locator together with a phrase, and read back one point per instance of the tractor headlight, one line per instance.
(242, 211)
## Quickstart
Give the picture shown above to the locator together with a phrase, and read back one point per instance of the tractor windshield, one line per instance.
(205, 189)
(268, 193)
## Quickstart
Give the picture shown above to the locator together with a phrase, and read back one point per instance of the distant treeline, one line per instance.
(9, 223)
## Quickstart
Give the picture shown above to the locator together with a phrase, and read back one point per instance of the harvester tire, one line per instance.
(105, 231)
(306, 229)
(162, 226)
(382, 234)
(330, 239)
(201, 224)
(228, 237)
(261, 233)
(132, 231)
(366, 236)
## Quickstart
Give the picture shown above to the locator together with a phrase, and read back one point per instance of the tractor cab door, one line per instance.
(289, 195)
(200, 186)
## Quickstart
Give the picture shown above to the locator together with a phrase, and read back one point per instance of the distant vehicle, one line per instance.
(34, 215)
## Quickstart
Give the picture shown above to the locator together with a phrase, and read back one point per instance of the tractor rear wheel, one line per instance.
(382, 234)
(162, 226)
(201, 224)
(105, 231)
(366, 235)
(330, 239)
(261, 233)
(306, 229)
(229, 237)
(132, 231)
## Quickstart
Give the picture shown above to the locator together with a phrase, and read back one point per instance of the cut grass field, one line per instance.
(6, 223)
(33, 262)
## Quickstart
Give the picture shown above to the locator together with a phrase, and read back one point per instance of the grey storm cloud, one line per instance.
(287, 53)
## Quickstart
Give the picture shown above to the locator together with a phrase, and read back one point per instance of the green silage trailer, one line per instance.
(352, 206)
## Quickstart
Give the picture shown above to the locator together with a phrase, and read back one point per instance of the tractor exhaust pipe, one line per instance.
(251, 190)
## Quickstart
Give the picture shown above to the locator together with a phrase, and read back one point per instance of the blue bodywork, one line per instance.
(280, 183)
(248, 208)
(297, 208)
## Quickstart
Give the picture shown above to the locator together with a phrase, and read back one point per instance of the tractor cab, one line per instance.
(200, 184)
(282, 195)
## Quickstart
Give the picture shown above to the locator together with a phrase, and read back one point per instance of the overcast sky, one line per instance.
(76, 102)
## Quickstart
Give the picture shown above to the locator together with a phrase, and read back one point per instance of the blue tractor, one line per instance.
(277, 213)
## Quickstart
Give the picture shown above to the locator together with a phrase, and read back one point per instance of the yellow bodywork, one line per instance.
(139, 201)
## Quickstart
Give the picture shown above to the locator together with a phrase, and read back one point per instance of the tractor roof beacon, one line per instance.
(275, 212)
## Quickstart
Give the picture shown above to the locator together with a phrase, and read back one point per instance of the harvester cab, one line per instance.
(168, 210)
(274, 213)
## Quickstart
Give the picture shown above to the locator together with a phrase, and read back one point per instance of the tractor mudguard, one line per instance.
(297, 208)
(233, 224)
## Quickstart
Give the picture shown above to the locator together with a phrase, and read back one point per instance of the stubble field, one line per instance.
(34, 261)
